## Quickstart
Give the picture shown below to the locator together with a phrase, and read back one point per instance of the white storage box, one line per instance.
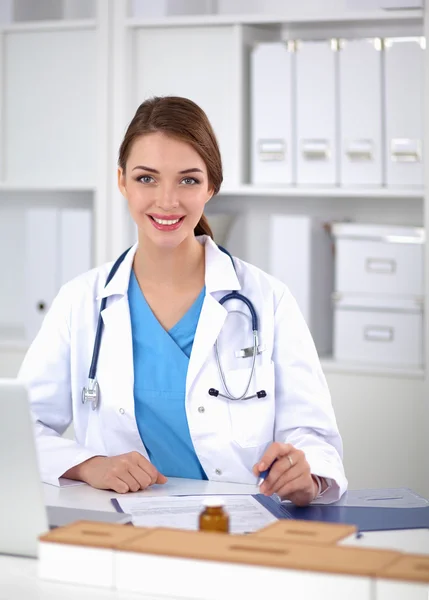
(220, 567)
(378, 259)
(83, 552)
(373, 330)
(405, 579)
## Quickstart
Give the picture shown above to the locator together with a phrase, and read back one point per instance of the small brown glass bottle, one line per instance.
(214, 517)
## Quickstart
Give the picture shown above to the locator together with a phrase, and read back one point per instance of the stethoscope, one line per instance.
(91, 393)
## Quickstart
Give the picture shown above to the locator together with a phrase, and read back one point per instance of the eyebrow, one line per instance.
(143, 168)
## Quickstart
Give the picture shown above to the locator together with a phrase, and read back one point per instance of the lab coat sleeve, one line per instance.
(304, 414)
(46, 373)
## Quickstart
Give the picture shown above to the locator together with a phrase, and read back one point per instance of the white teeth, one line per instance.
(165, 222)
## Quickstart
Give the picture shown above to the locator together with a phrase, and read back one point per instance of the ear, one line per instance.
(121, 183)
(211, 194)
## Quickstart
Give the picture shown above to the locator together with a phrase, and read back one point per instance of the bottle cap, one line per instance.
(213, 501)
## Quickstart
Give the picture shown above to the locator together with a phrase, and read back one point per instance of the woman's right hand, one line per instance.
(129, 472)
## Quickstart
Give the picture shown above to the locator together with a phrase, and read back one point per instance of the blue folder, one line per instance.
(364, 518)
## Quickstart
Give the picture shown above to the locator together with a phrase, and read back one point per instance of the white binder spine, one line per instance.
(271, 113)
(41, 270)
(316, 109)
(404, 111)
(75, 243)
(360, 88)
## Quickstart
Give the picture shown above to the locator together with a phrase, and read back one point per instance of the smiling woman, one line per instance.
(206, 366)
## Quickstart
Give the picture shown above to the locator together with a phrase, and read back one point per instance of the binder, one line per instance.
(41, 266)
(75, 243)
(361, 112)
(58, 246)
(404, 111)
(300, 255)
(364, 518)
(316, 109)
(271, 113)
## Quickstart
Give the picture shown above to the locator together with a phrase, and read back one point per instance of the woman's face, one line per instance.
(166, 186)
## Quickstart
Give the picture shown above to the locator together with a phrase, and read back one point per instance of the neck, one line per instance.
(169, 267)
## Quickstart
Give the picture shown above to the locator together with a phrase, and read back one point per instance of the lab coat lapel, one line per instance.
(118, 350)
(220, 279)
(210, 324)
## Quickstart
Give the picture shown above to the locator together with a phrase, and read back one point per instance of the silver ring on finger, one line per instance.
(290, 460)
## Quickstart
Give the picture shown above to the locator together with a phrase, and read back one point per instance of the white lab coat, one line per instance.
(229, 437)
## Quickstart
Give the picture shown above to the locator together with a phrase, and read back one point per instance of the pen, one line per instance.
(264, 474)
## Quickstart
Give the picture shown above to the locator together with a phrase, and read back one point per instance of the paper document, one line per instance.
(176, 486)
(245, 513)
(63, 482)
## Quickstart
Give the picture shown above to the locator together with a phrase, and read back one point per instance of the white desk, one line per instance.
(18, 576)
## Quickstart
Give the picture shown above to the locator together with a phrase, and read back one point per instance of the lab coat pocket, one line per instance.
(252, 421)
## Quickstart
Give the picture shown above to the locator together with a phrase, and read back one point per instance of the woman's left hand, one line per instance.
(289, 476)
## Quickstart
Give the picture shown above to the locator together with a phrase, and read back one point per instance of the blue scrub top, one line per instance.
(161, 362)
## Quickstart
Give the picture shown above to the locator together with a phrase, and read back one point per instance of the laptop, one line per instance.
(23, 514)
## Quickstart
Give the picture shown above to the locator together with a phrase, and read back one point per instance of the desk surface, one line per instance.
(18, 576)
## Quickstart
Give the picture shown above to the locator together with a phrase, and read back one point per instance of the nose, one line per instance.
(167, 198)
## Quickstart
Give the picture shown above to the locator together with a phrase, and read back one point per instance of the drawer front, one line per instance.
(372, 267)
(384, 338)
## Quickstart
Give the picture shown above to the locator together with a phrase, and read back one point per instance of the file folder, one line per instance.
(316, 113)
(364, 518)
(404, 75)
(360, 115)
(271, 113)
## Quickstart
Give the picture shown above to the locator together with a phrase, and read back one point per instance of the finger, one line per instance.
(142, 477)
(161, 478)
(148, 467)
(298, 485)
(269, 489)
(118, 486)
(129, 480)
(279, 469)
(275, 450)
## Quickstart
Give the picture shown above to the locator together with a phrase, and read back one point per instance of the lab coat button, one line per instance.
(218, 472)
(201, 409)
(122, 411)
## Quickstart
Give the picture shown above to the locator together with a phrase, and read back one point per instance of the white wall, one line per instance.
(380, 420)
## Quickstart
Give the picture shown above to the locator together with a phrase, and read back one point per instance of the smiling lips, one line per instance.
(162, 223)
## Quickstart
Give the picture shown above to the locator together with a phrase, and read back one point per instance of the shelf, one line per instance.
(330, 365)
(54, 25)
(359, 17)
(323, 192)
(17, 187)
(14, 346)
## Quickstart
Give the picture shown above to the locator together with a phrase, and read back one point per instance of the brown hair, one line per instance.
(183, 119)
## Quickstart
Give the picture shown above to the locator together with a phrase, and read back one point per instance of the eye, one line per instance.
(146, 179)
(190, 181)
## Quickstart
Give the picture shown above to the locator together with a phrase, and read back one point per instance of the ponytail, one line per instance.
(203, 227)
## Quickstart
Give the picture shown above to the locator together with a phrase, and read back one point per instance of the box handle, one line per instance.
(386, 266)
(315, 149)
(271, 150)
(405, 150)
(376, 333)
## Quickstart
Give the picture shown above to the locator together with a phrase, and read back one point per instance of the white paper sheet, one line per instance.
(176, 486)
(245, 513)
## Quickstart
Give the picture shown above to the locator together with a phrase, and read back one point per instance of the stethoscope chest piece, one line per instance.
(91, 394)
